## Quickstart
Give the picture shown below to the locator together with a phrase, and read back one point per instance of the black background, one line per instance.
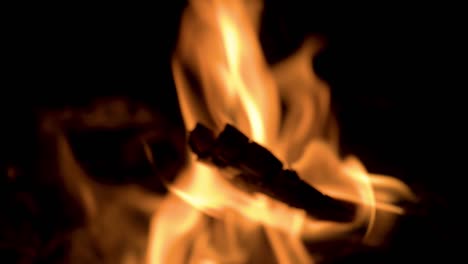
(393, 71)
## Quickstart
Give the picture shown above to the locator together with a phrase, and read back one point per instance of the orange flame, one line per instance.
(222, 77)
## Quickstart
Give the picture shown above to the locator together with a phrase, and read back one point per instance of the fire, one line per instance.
(222, 77)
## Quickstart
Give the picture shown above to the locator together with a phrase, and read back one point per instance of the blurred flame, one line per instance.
(222, 77)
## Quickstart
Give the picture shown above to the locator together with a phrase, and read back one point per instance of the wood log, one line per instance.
(260, 171)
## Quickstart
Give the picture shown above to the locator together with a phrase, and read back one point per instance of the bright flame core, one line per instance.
(222, 77)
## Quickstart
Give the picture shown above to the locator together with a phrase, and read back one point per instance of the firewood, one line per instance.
(201, 140)
(260, 171)
(229, 146)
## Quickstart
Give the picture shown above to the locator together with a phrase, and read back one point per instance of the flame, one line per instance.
(100, 235)
(222, 77)
(230, 67)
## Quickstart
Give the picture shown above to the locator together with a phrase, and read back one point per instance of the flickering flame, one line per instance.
(222, 77)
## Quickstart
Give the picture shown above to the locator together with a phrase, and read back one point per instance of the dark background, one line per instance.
(392, 70)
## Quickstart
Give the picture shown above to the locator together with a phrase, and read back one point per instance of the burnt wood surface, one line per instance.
(260, 171)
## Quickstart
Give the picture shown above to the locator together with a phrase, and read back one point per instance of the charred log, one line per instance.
(261, 171)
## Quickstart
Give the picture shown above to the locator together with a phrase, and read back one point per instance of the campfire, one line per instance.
(261, 179)
(263, 176)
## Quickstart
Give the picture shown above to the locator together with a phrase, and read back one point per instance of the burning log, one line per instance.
(260, 171)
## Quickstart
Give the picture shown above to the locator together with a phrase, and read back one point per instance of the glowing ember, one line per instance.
(222, 77)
